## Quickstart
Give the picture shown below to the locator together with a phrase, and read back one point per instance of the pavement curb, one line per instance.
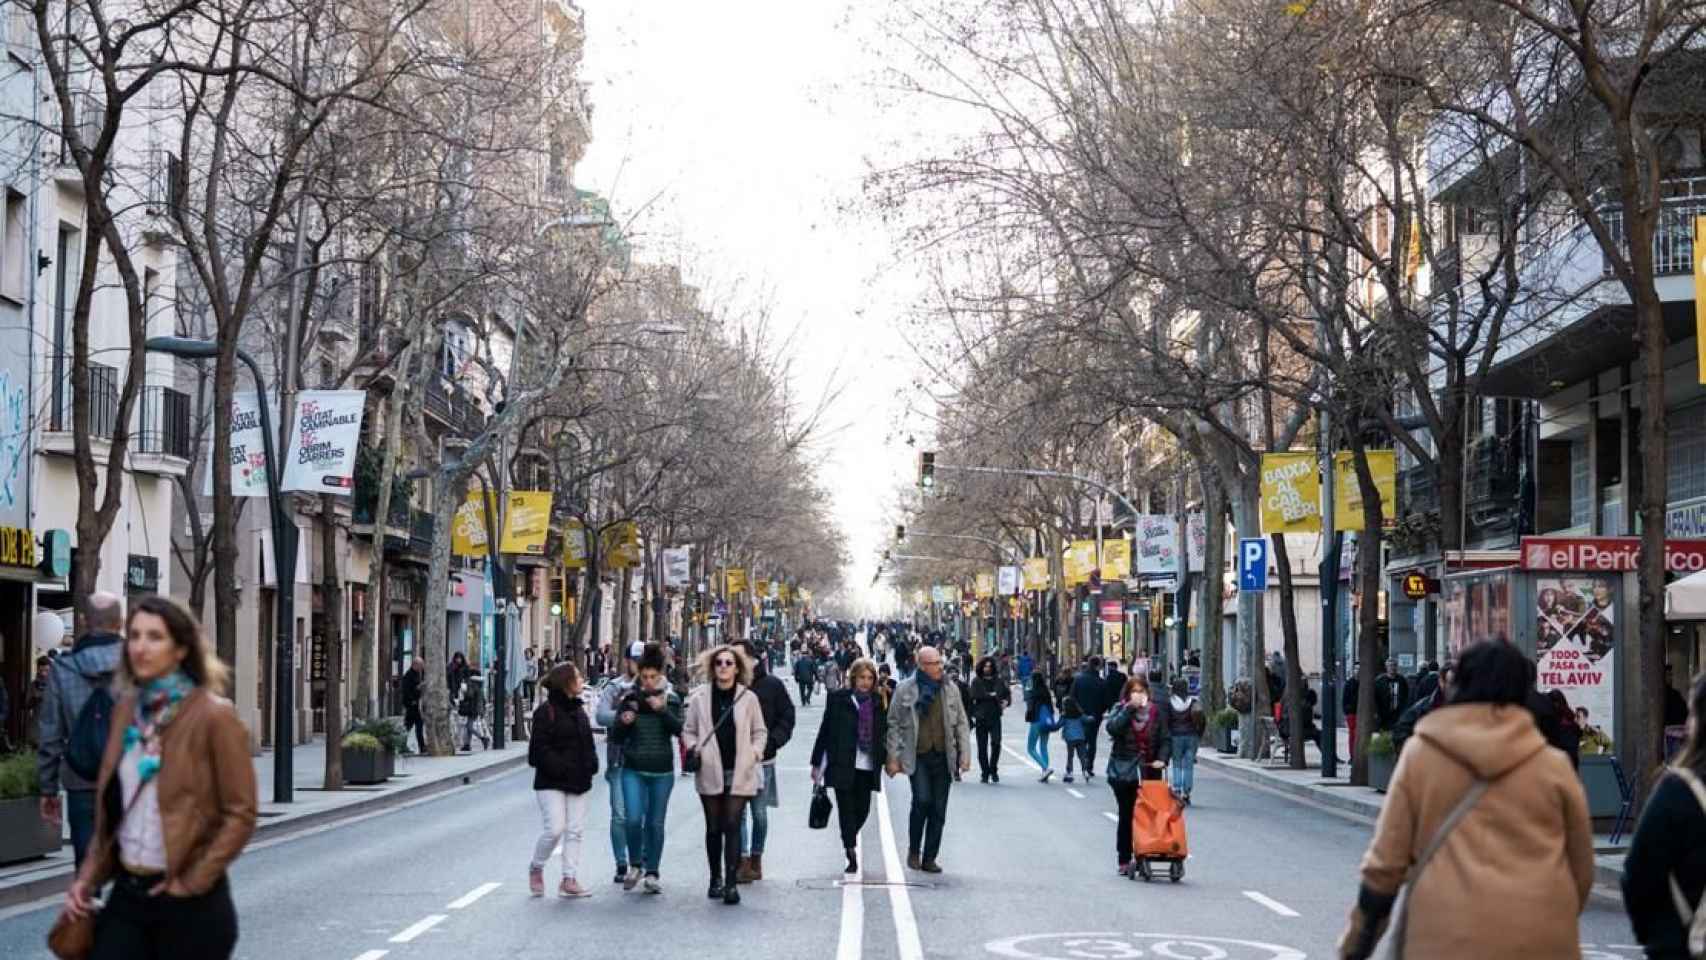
(1603, 873)
(55, 883)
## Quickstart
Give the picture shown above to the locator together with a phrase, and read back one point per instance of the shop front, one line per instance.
(25, 562)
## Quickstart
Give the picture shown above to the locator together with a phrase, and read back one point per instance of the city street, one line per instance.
(1029, 874)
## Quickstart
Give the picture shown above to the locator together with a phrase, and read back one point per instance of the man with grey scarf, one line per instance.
(929, 739)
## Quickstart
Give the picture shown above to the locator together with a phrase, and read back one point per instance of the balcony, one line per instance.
(88, 111)
(451, 406)
(162, 443)
(1673, 240)
(103, 409)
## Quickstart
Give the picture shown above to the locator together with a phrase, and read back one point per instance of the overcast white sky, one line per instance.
(736, 134)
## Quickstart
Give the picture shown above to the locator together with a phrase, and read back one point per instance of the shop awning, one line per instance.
(1686, 598)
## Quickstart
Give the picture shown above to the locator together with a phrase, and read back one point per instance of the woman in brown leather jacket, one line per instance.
(176, 798)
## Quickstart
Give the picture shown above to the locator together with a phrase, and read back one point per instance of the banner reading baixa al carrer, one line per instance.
(1291, 493)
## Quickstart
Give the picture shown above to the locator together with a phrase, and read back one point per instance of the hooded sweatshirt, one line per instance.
(1524, 850)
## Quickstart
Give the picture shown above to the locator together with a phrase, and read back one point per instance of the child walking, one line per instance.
(1073, 732)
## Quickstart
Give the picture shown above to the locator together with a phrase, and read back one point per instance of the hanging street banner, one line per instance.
(1196, 540)
(1291, 493)
(1007, 581)
(1080, 559)
(761, 588)
(468, 525)
(985, 586)
(248, 449)
(1116, 559)
(1035, 573)
(735, 580)
(677, 566)
(574, 545)
(324, 440)
(620, 545)
(1347, 493)
(527, 520)
(1157, 547)
(942, 593)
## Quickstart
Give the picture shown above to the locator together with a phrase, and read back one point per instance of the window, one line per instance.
(14, 248)
(457, 341)
(64, 291)
(1581, 507)
(1686, 447)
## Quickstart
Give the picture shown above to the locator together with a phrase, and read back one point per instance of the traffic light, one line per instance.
(899, 532)
(927, 469)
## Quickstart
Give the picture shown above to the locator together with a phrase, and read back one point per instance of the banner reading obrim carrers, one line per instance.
(1291, 493)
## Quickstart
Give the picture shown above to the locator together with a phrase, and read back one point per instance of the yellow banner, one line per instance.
(1347, 493)
(735, 578)
(782, 592)
(574, 545)
(761, 588)
(985, 586)
(1080, 559)
(1034, 575)
(1291, 493)
(620, 545)
(1116, 559)
(1700, 295)
(805, 595)
(526, 522)
(468, 526)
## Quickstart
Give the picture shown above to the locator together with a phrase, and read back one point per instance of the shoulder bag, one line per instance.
(1391, 945)
(73, 938)
(692, 761)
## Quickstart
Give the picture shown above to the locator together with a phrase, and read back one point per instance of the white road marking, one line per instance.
(1075, 793)
(372, 955)
(472, 895)
(1271, 903)
(1027, 761)
(900, 901)
(851, 945)
(1111, 815)
(419, 928)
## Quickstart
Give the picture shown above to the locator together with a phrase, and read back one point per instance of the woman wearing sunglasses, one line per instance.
(725, 730)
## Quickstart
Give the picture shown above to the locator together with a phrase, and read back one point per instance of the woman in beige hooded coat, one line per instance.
(725, 727)
(1510, 879)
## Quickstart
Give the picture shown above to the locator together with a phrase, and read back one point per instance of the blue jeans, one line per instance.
(1037, 744)
(931, 780)
(752, 836)
(647, 798)
(618, 817)
(1184, 764)
(80, 814)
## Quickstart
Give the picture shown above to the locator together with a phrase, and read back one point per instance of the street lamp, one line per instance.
(284, 568)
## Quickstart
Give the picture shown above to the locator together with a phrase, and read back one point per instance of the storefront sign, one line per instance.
(1607, 554)
(1418, 585)
(1113, 611)
(17, 547)
(142, 573)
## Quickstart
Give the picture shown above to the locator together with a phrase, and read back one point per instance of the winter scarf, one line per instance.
(866, 704)
(157, 703)
(927, 690)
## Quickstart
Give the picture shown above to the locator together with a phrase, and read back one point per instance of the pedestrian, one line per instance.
(608, 698)
(929, 738)
(1406, 725)
(1074, 733)
(1186, 721)
(833, 675)
(1569, 733)
(1088, 690)
(778, 710)
(1506, 821)
(990, 697)
(648, 716)
(456, 673)
(1139, 751)
(1667, 858)
(725, 727)
(1039, 713)
(1113, 681)
(177, 795)
(851, 751)
(472, 709)
(73, 680)
(34, 699)
(564, 760)
(1348, 704)
(413, 690)
(1391, 697)
(805, 674)
(886, 679)
(529, 679)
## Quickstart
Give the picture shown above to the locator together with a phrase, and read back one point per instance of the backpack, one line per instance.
(1199, 719)
(1693, 918)
(87, 744)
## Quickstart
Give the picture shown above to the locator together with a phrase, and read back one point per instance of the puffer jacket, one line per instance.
(1524, 850)
(560, 748)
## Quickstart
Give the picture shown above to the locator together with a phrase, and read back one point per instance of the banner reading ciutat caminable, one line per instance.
(323, 441)
(1291, 493)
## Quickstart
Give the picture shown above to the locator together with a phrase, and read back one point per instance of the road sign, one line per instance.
(1252, 564)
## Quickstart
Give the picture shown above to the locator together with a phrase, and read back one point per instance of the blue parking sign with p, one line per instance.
(1252, 564)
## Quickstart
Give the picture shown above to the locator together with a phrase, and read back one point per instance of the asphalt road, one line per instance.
(1030, 874)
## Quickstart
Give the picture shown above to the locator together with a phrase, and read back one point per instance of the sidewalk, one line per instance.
(1361, 802)
(415, 778)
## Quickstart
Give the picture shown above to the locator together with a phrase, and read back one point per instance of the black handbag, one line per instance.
(821, 808)
(692, 761)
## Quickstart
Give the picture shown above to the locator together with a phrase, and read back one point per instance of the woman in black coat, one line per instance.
(564, 760)
(850, 750)
(1141, 748)
(1670, 843)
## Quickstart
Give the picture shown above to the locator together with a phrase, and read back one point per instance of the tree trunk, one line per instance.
(1294, 708)
(1643, 750)
(1369, 652)
(332, 607)
(435, 703)
(1213, 592)
(225, 525)
(1246, 517)
(624, 593)
(371, 642)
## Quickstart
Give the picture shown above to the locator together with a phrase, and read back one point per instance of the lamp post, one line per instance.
(284, 568)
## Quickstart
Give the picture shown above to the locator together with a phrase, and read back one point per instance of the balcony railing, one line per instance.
(420, 530)
(88, 112)
(103, 401)
(452, 405)
(1418, 493)
(165, 423)
(1673, 239)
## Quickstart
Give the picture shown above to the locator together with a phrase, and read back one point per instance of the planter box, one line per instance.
(1380, 767)
(24, 835)
(1223, 740)
(389, 758)
(365, 766)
